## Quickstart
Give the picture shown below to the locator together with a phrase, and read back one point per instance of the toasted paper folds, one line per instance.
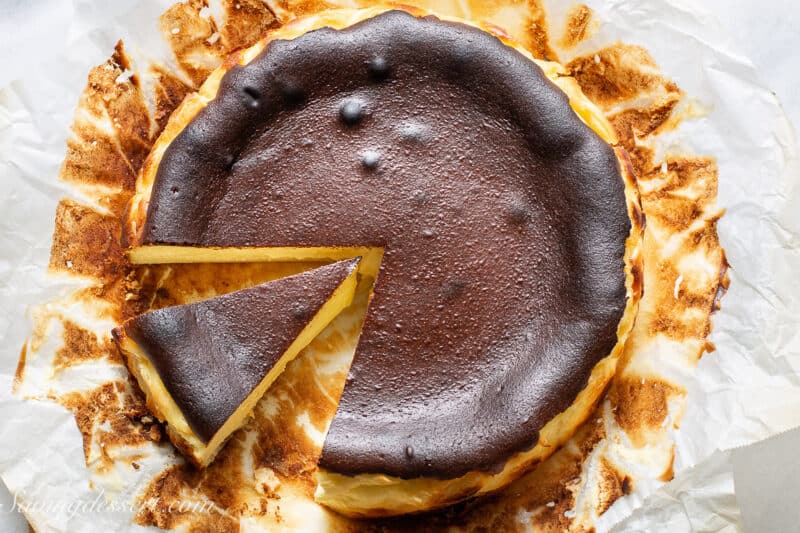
(265, 477)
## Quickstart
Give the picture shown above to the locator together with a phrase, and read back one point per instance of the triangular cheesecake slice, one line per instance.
(203, 366)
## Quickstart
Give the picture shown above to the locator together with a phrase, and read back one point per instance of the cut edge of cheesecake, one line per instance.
(161, 403)
(159, 254)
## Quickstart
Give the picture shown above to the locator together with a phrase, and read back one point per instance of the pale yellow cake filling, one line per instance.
(165, 409)
(148, 255)
(376, 494)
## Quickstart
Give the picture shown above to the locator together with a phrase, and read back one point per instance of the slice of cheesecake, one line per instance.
(203, 366)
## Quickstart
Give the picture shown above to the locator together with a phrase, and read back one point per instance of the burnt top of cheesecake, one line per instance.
(502, 216)
(211, 354)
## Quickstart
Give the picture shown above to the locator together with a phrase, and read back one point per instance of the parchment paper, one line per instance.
(746, 391)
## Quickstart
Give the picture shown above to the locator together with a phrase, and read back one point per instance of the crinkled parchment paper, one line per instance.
(745, 391)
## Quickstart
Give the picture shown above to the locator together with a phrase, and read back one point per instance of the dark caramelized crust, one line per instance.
(212, 354)
(502, 215)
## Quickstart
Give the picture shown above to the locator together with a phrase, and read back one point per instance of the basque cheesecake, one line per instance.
(203, 366)
(494, 212)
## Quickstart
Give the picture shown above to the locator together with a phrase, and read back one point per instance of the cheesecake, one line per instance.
(203, 366)
(493, 210)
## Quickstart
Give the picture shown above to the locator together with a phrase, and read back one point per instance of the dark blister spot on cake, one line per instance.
(542, 270)
(370, 159)
(292, 93)
(252, 96)
(410, 451)
(351, 111)
(379, 68)
(518, 212)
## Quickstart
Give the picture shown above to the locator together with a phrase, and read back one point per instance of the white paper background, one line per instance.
(51, 44)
